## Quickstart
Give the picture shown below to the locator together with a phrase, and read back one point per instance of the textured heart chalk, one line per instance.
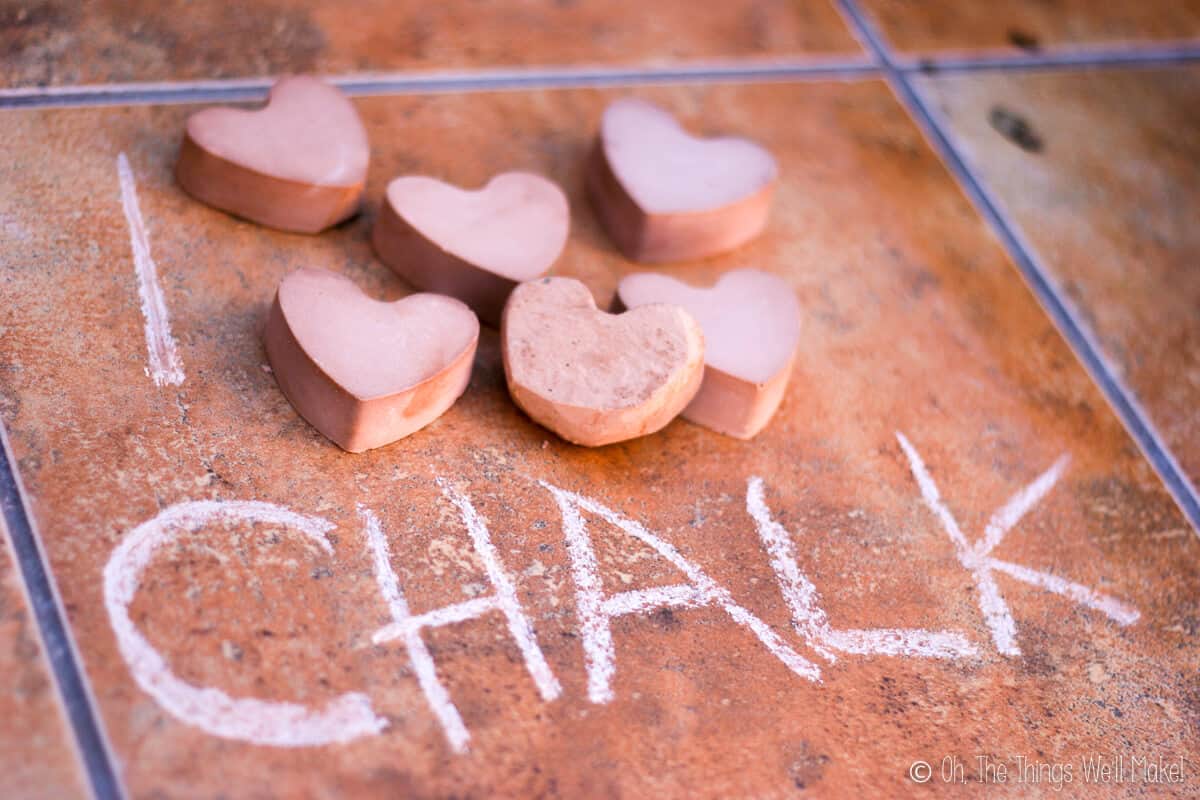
(664, 195)
(751, 325)
(473, 245)
(592, 377)
(363, 372)
(298, 164)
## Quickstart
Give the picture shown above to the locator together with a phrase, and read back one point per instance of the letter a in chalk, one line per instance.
(596, 611)
(407, 626)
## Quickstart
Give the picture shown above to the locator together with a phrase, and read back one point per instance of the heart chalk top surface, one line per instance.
(309, 132)
(668, 171)
(515, 226)
(559, 345)
(369, 347)
(751, 319)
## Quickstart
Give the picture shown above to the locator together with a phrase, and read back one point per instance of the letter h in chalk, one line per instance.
(407, 627)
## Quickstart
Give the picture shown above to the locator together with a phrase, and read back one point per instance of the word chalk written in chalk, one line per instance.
(351, 715)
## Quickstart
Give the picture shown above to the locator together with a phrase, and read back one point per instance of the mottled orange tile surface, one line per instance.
(55, 42)
(943, 27)
(1105, 184)
(913, 322)
(37, 756)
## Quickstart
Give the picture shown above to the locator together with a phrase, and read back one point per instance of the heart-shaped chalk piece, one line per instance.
(592, 377)
(363, 372)
(298, 164)
(751, 325)
(664, 195)
(473, 245)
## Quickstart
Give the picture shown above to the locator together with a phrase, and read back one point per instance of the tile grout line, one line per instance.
(57, 645)
(164, 92)
(439, 82)
(1079, 337)
(1002, 62)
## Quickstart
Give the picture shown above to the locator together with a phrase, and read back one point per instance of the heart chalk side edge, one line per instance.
(728, 404)
(279, 203)
(664, 238)
(352, 423)
(596, 427)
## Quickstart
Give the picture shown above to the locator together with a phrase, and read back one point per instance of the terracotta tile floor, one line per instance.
(37, 758)
(984, 27)
(238, 661)
(59, 42)
(1101, 172)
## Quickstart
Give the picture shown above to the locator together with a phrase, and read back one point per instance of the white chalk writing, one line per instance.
(977, 558)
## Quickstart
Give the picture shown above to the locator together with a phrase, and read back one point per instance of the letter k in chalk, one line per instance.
(978, 557)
